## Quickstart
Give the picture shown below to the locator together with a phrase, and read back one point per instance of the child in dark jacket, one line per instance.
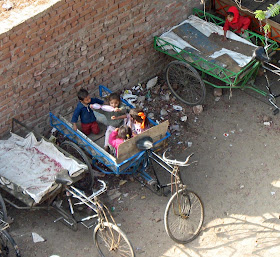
(119, 135)
(235, 21)
(83, 110)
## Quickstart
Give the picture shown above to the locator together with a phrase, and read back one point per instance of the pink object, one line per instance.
(106, 108)
(115, 141)
(95, 106)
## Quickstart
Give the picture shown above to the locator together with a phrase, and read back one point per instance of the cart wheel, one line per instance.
(183, 216)
(110, 240)
(185, 83)
(87, 182)
(3, 210)
(8, 246)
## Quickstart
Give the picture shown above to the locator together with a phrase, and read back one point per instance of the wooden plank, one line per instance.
(129, 148)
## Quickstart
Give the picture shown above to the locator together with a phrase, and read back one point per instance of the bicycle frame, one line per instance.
(150, 154)
(90, 201)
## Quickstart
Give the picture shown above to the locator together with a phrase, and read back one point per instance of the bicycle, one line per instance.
(184, 215)
(109, 239)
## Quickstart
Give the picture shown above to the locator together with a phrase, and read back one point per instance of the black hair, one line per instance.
(124, 132)
(82, 94)
(231, 14)
(114, 96)
(134, 113)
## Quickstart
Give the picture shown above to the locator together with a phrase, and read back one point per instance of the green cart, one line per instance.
(188, 74)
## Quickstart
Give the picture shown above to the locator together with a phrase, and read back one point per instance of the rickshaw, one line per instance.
(201, 60)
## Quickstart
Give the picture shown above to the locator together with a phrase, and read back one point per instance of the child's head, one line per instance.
(124, 132)
(114, 100)
(83, 96)
(230, 16)
(138, 116)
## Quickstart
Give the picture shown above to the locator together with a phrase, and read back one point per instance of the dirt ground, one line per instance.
(236, 176)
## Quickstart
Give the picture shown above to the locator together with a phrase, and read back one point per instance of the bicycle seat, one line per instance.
(261, 55)
(144, 143)
(63, 178)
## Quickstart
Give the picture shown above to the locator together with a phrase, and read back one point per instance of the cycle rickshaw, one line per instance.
(202, 58)
(36, 174)
(137, 157)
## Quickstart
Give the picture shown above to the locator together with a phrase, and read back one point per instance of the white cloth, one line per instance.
(33, 165)
(109, 130)
(206, 28)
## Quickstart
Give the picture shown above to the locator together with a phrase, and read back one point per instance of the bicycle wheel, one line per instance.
(3, 210)
(110, 240)
(8, 246)
(185, 83)
(87, 182)
(183, 216)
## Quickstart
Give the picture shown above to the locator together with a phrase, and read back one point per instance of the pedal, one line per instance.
(275, 111)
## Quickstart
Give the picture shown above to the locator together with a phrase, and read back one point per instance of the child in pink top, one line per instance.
(119, 135)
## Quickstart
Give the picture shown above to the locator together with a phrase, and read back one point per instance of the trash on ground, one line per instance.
(241, 186)
(177, 107)
(113, 194)
(226, 134)
(152, 82)
(165, 97)
(125, 195)
(122, 182)
(189, 144)
(217, 99)
(197, 109)
(272, 193)
(175, 127)
(138, 87)
(184, 118)
(37, 238)
(163, 112)
(267, 123)
(143, 197)
(218, 92)
(151, 116)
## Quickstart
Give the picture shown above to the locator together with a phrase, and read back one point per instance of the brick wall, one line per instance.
(73, 44)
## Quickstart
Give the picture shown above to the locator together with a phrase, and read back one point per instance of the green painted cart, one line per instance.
(188, 74)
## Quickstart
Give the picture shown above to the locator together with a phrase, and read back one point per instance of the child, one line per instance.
(119, 135)
(138, 121)
(235, 21)
(88, 119)
(112, 121)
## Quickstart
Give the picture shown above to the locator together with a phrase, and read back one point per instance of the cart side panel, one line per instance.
(95, 151)
(129, 148)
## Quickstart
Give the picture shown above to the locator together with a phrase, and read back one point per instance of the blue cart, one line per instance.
(130, 159)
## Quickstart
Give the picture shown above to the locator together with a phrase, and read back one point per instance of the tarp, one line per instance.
(197, 32)
(33, 165)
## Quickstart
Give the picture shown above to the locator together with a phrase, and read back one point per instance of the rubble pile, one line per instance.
(160, 104)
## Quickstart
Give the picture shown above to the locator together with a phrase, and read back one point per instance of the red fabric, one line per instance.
(115, 141)
(239, 22)
(93, 127)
